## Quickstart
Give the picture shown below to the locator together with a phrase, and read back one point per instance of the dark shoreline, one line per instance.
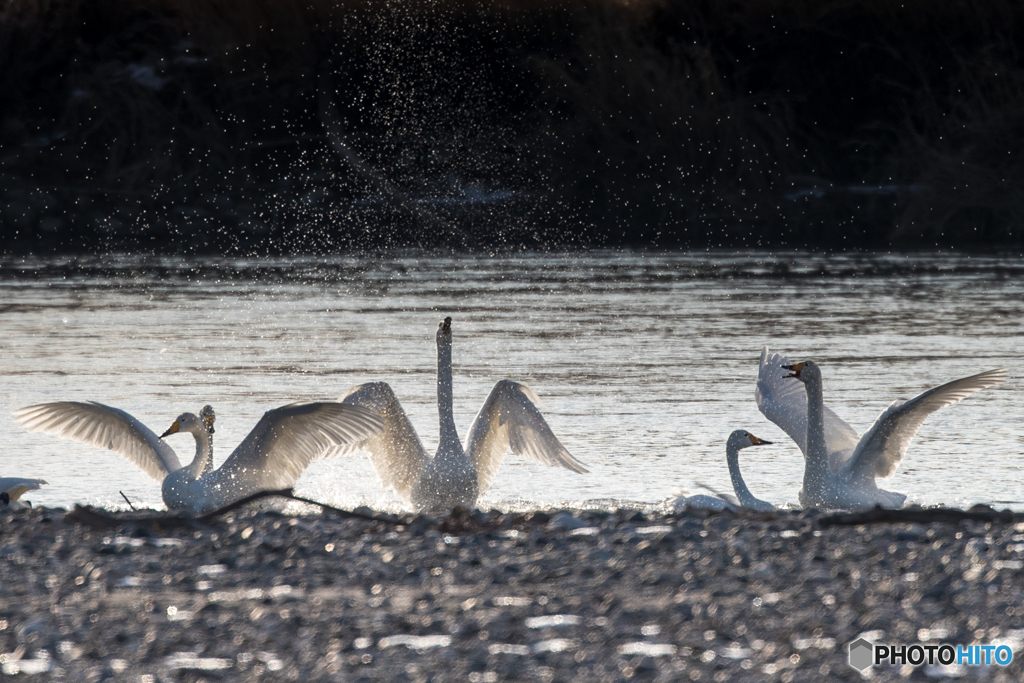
(279, 127)
(492, 596)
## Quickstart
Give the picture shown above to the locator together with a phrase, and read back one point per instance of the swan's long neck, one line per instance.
(208, 458)
(445, 414)
(732, 457)
(817, 450)
(203, 462)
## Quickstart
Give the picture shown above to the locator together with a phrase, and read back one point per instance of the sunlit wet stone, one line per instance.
(11, 665)
(647, 649)
(190, 660)
(508, 649)
(552, 620)
(414, 642)
(553, 645)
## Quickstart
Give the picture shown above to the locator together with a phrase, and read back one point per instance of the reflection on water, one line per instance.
(646, 362)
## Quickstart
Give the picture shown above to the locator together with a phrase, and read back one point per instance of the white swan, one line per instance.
(13, 488)
(272, 456)
(456, 475)
(738, 440)
(841, 467)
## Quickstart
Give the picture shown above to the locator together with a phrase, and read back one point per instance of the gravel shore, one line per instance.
(545, 596)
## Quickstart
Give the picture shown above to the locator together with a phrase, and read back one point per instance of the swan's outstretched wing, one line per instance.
(884, 445)
(396, 453)
(286, 439)
(783, 400)
(16, 487)
(98, 425)
(509, 419)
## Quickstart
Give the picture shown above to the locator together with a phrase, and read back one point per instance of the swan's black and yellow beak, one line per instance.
(173, 429)
(796, 368)
(758, 442)
(446, 326)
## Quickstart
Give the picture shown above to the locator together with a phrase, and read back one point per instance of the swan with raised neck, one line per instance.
(458, 473)
(737, 441)
(824, 485)
(450, 478)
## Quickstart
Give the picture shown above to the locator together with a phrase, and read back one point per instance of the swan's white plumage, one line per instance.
(509, 420)
(883, 446)
(16, 487)
(783, 400)
(702, 501)
(844, 476)
(96, 424)
(736, 442)
(457, 474)
(287, 439)
(272, 456)
(396, 452)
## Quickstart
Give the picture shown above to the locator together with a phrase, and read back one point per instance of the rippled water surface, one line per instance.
(645, 362)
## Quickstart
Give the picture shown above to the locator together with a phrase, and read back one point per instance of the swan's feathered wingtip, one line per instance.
(26, 413)
(41, 416)
(527, 391)
(566, 460)
(770, 360)
(771, 379)
(574, 465)
(993, 377)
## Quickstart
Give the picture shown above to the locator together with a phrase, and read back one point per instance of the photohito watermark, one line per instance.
(864, 653)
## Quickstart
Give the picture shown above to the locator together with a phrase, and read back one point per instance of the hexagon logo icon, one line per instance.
(861, 654)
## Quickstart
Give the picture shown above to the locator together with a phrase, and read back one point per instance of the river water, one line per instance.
(645, 361)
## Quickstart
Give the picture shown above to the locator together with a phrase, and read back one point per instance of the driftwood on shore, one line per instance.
(878, 515)
(460, 520)
(102, 519)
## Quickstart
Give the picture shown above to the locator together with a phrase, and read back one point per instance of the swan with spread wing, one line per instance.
(273, 456)
(457, 475)
(841, 467)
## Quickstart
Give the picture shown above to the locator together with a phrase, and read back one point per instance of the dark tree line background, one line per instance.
(260, 126)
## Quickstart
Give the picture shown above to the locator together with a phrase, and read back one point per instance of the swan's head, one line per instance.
(804, 372)
(207, 415)
(741, 438)
(444, 331)
(186, 422)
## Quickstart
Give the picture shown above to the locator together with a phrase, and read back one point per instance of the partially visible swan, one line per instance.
(272, 456)
(456, 475)
(738, 440)
(841, 467)
(13, 488)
